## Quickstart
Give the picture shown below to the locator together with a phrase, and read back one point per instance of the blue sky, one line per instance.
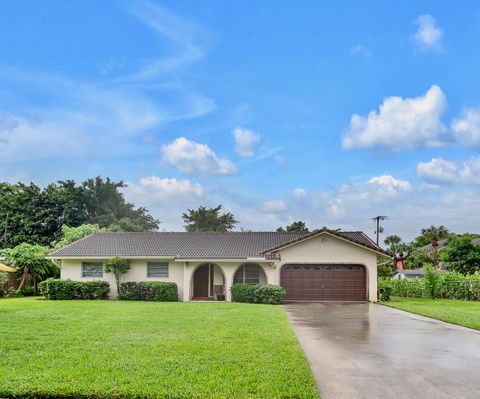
(327, 112)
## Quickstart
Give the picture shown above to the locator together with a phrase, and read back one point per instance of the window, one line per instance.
(92, 269)
(157, 269)
(248, 273)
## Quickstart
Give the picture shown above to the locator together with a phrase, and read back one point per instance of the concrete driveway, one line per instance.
(360, 350)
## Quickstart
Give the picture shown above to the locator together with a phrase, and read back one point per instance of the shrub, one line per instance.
(14, 293)
(149, 291)
(243, 292)
(384, 289)
(27, 291)
(448, 285)
(58, 289)
(265, 293)
(432, 281)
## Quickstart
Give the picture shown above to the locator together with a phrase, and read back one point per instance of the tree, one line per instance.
(30, 260)
(117, 266)
(71, 234)
(30, 214)
(461, 255)
(203, 219)
(295, 226)
(397, 249)
(433, 234)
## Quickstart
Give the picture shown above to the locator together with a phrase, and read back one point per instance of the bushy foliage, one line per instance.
(384, 289)
(149, 291)
(30, 260)
(432, 281)
(3, 282)
(448, 285)
(58, 289)
(72, 234)
(461, 255)
(35, 215)
(265, 293)
(208, 219)
(242, 292)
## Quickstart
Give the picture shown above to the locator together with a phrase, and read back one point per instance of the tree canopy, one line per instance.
(208, 219)
(462, 255)
(29, 260)
(30, 214)
(295, 226)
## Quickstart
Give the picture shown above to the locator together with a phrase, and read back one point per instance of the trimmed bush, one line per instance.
(149, 291)
(265, 293)
(243, 292)
(57, 289)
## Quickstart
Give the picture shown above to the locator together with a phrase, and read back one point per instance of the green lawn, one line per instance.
(114, 349)
(464, 313)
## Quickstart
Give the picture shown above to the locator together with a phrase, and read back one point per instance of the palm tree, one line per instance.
(434, 234)
(396, 248)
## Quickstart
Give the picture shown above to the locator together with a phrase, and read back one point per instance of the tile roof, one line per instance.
(208, 245)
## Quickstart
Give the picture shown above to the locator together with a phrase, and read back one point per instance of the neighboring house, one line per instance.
(321, 265)
(412, 273)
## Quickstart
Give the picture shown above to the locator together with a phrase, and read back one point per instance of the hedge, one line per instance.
(265, 293)
(436, 285)
(149, 291)
(57, 289)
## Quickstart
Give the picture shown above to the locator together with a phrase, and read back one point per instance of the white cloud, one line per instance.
(360, 50)
(400, 124)
(157, 188)
(165, 198)
(428, 36)
(299, 193)
(246, 142)
(388, 185)
(186, 38)
(439, 170)
(193, 158)
(274, 206)
(467, 128)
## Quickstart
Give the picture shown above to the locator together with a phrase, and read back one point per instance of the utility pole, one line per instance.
(379, 229)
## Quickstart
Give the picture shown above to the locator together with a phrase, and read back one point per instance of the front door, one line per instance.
(200, 281)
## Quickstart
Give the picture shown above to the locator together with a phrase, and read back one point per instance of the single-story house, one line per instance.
(408, 273)
(322, 265)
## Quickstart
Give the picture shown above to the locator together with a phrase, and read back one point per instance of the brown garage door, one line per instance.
(324, 282)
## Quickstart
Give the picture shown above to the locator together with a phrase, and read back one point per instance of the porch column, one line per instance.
(229, 272)
(187, 276)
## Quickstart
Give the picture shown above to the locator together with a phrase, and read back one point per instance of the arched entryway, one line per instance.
(250, 273)
(208, 282)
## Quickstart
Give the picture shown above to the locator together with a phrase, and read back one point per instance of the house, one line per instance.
(409, 273)
(320, 265)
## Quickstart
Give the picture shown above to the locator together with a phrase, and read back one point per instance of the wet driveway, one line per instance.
(360, 350)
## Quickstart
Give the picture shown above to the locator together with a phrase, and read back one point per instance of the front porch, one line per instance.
(209, 281)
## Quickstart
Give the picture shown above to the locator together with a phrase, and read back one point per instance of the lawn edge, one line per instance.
(430, 317)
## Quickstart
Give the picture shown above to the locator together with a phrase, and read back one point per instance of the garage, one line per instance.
(324, 282)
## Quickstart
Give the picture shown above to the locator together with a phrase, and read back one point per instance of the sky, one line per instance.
(328, 112)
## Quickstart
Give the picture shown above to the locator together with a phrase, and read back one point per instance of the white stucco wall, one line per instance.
(327, 248)
(72, 269)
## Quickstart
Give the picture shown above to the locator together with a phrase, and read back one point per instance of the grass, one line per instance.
(114, 349)
(464, 313)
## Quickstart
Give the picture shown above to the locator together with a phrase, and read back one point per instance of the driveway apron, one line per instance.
(363, 350)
